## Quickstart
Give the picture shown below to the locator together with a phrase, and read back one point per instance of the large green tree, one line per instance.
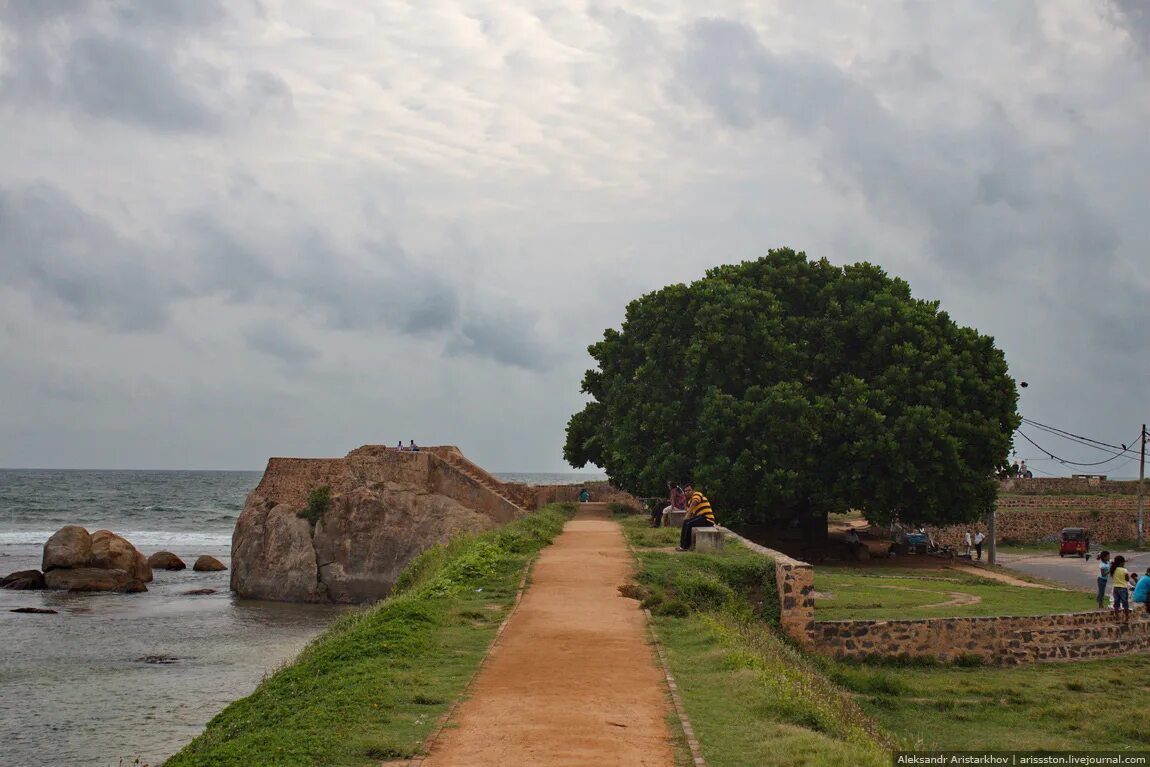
(789, 388)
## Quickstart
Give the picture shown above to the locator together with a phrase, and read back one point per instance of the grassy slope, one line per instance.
(374, 684)
(1083, 706)
(751, 697)
(891, 594)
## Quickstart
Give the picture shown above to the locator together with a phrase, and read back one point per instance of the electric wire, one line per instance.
(1066, 461)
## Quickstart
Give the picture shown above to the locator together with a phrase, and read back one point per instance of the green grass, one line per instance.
(752, 697)
(1073, 706)
(373, 685)
(889, 593)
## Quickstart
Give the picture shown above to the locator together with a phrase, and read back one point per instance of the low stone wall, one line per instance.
(995, 640)
(795, 581)
(1068, 486)
(600, 492)
(1015, 525)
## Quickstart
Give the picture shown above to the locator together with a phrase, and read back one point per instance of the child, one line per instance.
(1103, 574)
(1121, 592)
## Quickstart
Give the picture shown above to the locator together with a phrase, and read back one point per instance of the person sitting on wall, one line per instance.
(584, 496)
(414, 447)
(1142, 591)
(399, 446)
(677, 502)
(699, 514)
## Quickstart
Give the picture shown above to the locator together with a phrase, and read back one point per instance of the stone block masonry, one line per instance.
(995, 640)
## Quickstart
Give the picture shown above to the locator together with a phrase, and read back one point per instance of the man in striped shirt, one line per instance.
(699, 514)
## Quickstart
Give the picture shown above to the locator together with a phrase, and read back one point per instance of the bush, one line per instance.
(318, 501)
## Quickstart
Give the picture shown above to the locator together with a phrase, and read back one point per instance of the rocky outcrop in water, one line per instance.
(206, 564)
(23, 580)
(75, 560)
(166, 560)
(385, 507)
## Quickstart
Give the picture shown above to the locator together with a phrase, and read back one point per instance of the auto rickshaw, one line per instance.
(1075, 542)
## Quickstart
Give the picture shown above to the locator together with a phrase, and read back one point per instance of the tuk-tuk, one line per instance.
(1075, 542)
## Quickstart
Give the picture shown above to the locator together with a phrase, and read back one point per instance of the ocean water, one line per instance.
(77, 688)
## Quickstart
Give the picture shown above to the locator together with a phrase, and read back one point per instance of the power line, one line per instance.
(1089, 442)
(1065, 461)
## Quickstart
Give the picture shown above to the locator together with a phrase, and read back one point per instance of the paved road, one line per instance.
(1073, 571)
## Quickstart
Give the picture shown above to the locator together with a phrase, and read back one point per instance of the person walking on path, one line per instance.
(1103, 575)
(978, 539)
(1121, 592)
(699, 514)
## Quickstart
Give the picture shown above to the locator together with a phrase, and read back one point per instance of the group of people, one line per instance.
(1127, 586)
(686, 498)
(975, 543)
(413, 448)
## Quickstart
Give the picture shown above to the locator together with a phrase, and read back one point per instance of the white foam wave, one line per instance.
(138, 538)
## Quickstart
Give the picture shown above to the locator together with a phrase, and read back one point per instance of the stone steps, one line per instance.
(484, 480)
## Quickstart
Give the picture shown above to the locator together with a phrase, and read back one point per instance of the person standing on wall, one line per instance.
(699, 514)
(978, 539)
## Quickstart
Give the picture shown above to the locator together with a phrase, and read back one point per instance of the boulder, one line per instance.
(112, 552)
(93, 579)
(23, 580)
(165, 560)
(70, 546)
(206, 564)
(272, 555)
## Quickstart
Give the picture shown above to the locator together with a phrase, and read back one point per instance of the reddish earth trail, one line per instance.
(573, 680)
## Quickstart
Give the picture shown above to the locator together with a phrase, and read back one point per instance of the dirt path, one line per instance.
(572, 680)
(998, 575)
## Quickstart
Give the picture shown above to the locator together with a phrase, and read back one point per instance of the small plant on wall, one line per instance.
(317, 502)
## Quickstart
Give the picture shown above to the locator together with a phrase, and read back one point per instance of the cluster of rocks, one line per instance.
(76, 560)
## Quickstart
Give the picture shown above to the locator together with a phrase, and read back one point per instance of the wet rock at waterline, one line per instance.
(111, 552)
(75, 560)
(23, 580)
(70, 546)
(206, 564)
(166, 560)
(93, 579)
(199, 592)
(34, 610)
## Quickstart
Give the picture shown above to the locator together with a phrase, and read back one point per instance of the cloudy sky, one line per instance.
(237, 229)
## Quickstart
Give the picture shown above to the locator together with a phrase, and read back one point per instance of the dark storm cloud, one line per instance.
(77, 265)
(119, 80)
(504, 337)
(1134, 17)
(92, 59)
(980, 194)
(276, 341)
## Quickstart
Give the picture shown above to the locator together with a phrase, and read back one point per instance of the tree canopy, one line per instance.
(788, 388)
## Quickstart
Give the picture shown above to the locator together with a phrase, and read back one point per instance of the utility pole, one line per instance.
(1141, 482)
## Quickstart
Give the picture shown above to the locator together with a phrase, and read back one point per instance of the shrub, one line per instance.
(318, 501)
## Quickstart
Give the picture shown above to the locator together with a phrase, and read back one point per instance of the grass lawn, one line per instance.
(752, 698)
(373, 685)
(1083, 705)
(890, 593)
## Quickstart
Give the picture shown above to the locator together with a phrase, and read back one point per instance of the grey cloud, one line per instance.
(120, 80)
(274, 340)
(981, 195)
(75, 263)
(90, 58)
(502, 336)
(1134, 17)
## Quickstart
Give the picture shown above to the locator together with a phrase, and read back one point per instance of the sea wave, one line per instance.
(138, 538)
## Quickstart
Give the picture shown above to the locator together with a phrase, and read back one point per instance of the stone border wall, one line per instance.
(997, 640)
(1068, 486)
(1000, 640)
(795, 581)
